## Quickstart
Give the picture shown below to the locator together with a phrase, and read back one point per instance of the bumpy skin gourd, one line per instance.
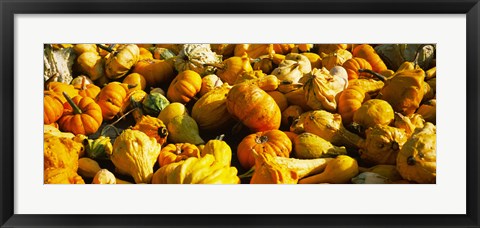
(382, 145)
(153, 127)
(120, 61)
(269, 172)
(61, 176)
(373, 112)
(135, 153)
(416, 160)
(60, 152)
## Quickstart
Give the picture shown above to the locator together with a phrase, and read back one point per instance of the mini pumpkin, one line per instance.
(253, 50)
(60, 87)
(81, 116)
(368, 53)
(111, 99)
(184, 87)
(88, 90)
(155, 71)
(52, 107)
(349, 102)
(352, 65)
(153, 127)
(177, 152)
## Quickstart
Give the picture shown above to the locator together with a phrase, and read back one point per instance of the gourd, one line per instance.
(219, 149)
(292, 68)
(111, 99)
(368, 53)
(134, 153)
(324, 49)
(223, 49)
(338, 171)
(302, 47)
(52, 107)
(280, 99)
(291, 113)
(268, 172)
(197, 58)
(177, 152)
(172, 110)
(265, 65)
(55, 132)
(81, 115)
(388, 171)
(253, 107)
(119, 61)
(209, 83)
(184, 87)
(81, 48)
(266, 83)
(416, 161)
(314, 59)
(88, 89)
(210, 111)
(370, 178)
(88, 167)
(154, 103)
(428, 111)
(336, 58)
(59, 88)
(353, 65)
(135, 79)
(253, 50)
(382, 145)
(99, 148)
(373, 112)
(183, 128)
(297, 97)
(104, 176)
(60, 152)
(61, 176)
(408, 123)
(274, 142)
(321, 89)
(232, 67)
(349, 101)
(310, 146)
(283, 48)
(155, 71)
(152, 127)
(144, 54)
(92, 64)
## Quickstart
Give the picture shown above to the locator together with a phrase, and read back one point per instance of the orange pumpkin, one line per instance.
(349, 102)
(52, 107)
(254, 107)
(111, 98)
(88, 90)
(233, 67)
(274, 142)
(153, 127)
(184, 87)
(136, 79)
(81, 115)
(352, 65)
(280, 99)
(154, 71)
(60, 87)
(367, 52)
(177, 152)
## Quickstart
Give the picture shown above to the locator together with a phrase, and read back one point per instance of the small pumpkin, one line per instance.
(254, 107)
(265, 65)
(368, 53)
(153, 127)
(52, 107)
(177, 152)
(382, 145)
(111, 99)
(144, 54)
(274, 142)
(121, 61)
(232, 67)
(283, 48)
(352, 65)
(155, 71)
(280, 99)
(349, 102)
(135, 79)
(184, 87)
(88, 90)
(81, 48)
(81, 115)
(223, 49)
(373, 112)
(60, 87)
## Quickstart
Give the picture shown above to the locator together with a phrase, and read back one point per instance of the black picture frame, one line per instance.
(9, 8)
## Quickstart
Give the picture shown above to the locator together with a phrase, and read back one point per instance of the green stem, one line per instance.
(109, 49)
(76, 109)
(249, 173)
(112, 125)
(379, 76)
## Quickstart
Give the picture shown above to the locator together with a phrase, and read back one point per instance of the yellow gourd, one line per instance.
(338, 171)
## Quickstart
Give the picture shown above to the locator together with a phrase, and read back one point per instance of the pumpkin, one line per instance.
(373, 112)
(264, 64)
(209, 83)
(61, 176)
(92, 64)
(352, 65)
(197, 57)
(81, 115)
(52, 107)
(135, 79)
(210, 111)
(280, 99)
(416, 161)
(311, 146)
(324, 49)
(291, 113)
(155, 71)
(274, 142)
(253, 107)
(59, 88)
(81, 48)
(321, 89)
(428, 111)
(349, 102)
(219, 149)
(367, 52)
(88, 90)
(253, 50)
(134, 153)
(153, 127)
(144, 54)
(177, 152)
(184, 87)
(382, 145)
(336, 58)
(121, 60)
(232, 67)
(111, 99)
(292, 68)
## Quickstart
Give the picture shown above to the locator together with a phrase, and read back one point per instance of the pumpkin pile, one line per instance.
(240, 114)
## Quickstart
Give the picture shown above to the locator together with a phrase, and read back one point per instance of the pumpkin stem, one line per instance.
(76, 109)
(129, 86)
(220, 137)
(83, 86)
(109, 48)
(262, 139)
(249, 173)
(379, 76)
(102, 133)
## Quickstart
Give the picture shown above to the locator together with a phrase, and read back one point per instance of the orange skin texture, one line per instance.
(52, 107)
(184, 87)
(85, 123)
(111, 99)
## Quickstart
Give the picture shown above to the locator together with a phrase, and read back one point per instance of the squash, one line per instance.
(92, 64)
(253, 107)
(253, 50)
(144, 54)
(81, 115)
(310, 146)
(119, 62)
(104, 176)
(291, 113)
(368, 85)
(152, 127)
(232, 67)
(370, 178)
(60, 152)
(321, 89)
(177, 152)
(373, 112)
(78, 81)
(428, 111)
(184, 129)
(416, 160)
(209, 83)
(81, 48)
(274, 142)
(297, 126)
(210, 111)
(134, 153)
(154, 103)
(349, 101)
(172, 110)
(88, 89)
(197, 58)
(219, 149)
(156, 72)
(368, 53)
(265, 65)
(336, 58)
(314, 59)
(184, 87)
(88, 167)
(280, 99)
(338, 171)
(266, 83)
(135, 79)
(52, 107)
(269, 172)
(53, 130)
(353, 65)
(59, 88)
(382, 145)
(324, 49)
(61, 176)
(111, 99)
(292, 68)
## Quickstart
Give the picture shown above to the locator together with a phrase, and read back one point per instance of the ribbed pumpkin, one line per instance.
(111, 99)
(352, 65)
(368, 53)
(254, 107)
(233, 67)
(210, 111)
(382, 145)
(88, 90)
(349, 102)
(274, 142)
(177, 152)
(52, 107)
(184, 87)
(135, 79)
(81, 115)
(60, 87)
(153, 127)
(155, 71)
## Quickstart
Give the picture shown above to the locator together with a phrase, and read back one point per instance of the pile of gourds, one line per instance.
(241, 113)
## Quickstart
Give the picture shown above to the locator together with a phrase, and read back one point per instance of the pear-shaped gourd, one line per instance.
(184, 129)
(310, 146)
